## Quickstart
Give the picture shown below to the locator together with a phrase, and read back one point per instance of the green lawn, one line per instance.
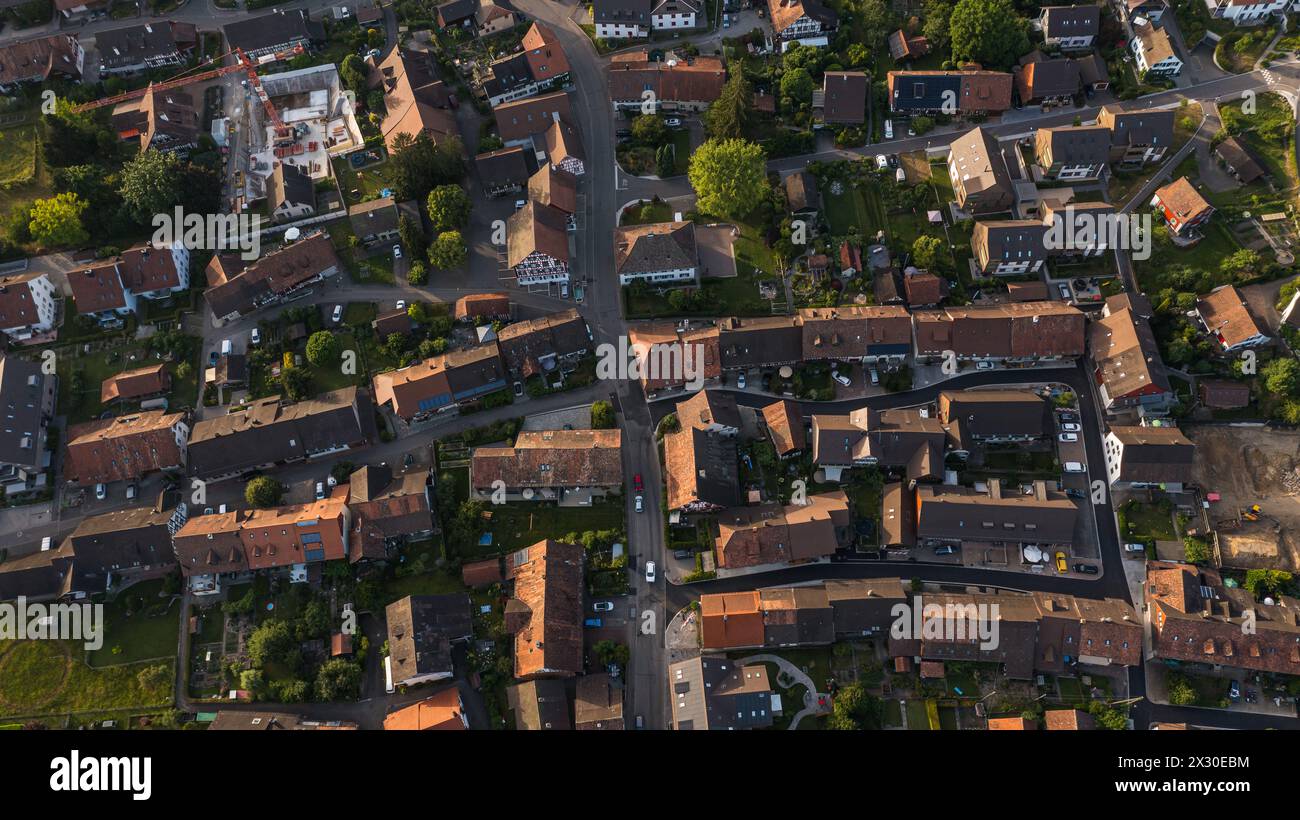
(49, 678)
(17, 156)
(917, 716)
(846, 210)
(149, 633)
(514, 526)
(1142, 522)
(99, 365)
(647, 213)
(367, 182)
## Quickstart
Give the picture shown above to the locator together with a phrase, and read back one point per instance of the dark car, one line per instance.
(623, 134)
(1086, 569)
(893, 160)
(683, 555)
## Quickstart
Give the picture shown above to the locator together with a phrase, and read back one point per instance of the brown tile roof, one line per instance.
(902, 47)
(134, 384)
(706, 408)
(522, 118)
(964, 514)
(1180, 197)
(488, 305)
(785, 425)
(924, 288)
(653, 340)
(698, 81)
(1245, 166)
(730, 620)
(1016, 330)
(1068, 719)
(546, 611)
(555, 187)
(1227, 316)
(442, 711)
(701, 470)
(396, 508)
(421, 631)
(1011, 723)
(17, 307)
(1126, 356)
(546, 57)
(852, 331)
(1042, 79)
(660, 246)
(36, 60)
(1027, 291)
(97, 288)
(274, 274)
(1156, 41)
(482, 573)
(263, 539)
(845, 97)
(786, 12)
(598, 704)
(551, 459)
(413, 98)
(527, 347)
(441, 376)
(1154, 454)
(753, 536)
(536, 228)
(1221, 394)
(126, 447)
(898, 516)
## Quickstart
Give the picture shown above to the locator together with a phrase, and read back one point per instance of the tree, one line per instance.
(925, 252)
(648, 129)
(854, 710)
(1181, 692)
(56, 222)
(152, 183)
(602, 415)
(418, 274)
(797, 84)
(988, 32)
(857, 55)
(1265, 581)
(447, 251)
(937, 13)
(71, 138)
(263, 491)
(1282, 376)
(729, 177)
(876, 19)
(353, 73)
(449, 208)
(296, 382)
(271, 641)
(338, 679)
(417, 165)
(322, 348)
(413, 238)
(610, 652)
(729, 113)
(1242, 264)
(1196, 550)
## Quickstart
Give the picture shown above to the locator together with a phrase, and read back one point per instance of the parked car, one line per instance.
(132, 490)
(338, 313)
(1069, 437)
(320, 490)
(984, 365)
(882, 162)
(875, 376)
(255, 337)
(841, 378)
(911, 132)
(640, 722)
(640, 503)
(893, 160)
(592, 623)
(397, 251)
(1068, 416)
(212, 358)
(889, 129)
(519, 388)
(1071, 427)
(1234, 690)
(636, 482)
(401, 305)
(520, 203)
(740, 381)
(1135, 547)
(683, 555)
(1086, 569)
(649, 572)
(101, 491)
(1061, 565)
(1064, 291)
(673, 122)
(1073, 467)
(603, 606)
(945, 550)
(623, 134)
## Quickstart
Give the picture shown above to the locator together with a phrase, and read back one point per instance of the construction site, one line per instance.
(1251, 477)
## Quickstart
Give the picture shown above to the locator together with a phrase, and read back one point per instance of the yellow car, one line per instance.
(1061, 566)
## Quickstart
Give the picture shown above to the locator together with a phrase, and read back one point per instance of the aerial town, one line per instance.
(649, 365)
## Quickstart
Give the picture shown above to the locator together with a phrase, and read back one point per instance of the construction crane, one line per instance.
(283, 134)
(242, 64)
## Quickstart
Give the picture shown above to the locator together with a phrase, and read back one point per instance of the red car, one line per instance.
(636, 482)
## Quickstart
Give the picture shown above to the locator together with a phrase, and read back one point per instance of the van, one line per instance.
(900, 176)
(225, 347)
(1073, 467)
(889, 129)
(47, 544)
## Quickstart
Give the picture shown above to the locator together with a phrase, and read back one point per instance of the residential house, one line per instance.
(1080, 229)
(456, 13)
(511, 79)
(844, 98)
(949, 92)
(502, 172)
(1139, 458)
(713, 692)
(689, 84)
(388, 510)
(539, 705)
(545, 345)
(1238, 161)
(1126, 359)
(1021, 331)
(482, 306)
(658, 253)
(1070, 28)
(1221, 394)
(40, 60)
(290, 193)
(571, 467)
(755, 537)
(397, 320)
(274, 34)
(28, 305)
(621, 19)
(902, 47)
(807, 22)
(517, 121)
(896, 440)
(850, 260)
(867, 334)
(1199, 621)
(1150, 10)
(1043, 81)
(1137, 137)
(701, 471)
(27, 400)
(375, 222)
(1072, 152)
(598, 704)
(801, 195)
(421, 632)
(139, 48)
(109, 289)
(1012, 247)
(116, 549)
(415, 100)
(675, 15)
(1093, 72)
(422, 390)
(956, 515)
(537, 245)
(785, 427)
(712, 411)
(807, 615)
(1068, 720)
(560, 146)
(125, 448)
(897, 516)
(1225, 316)
(271, 431)
(441, 712)
(923, 289)
(547, 62)
(1153, 51)
(664, 353)
(134, 385)
(236, 288)
(978, 170)
(490, 18)
(974, 418)
(1183, 206)
(545, 612)
(83, 9)
(221, 546)
(555, 187)
(1248, 12)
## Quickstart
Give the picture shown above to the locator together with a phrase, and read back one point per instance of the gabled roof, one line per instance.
(536, 228)
(531, 346)
(1126, 355)
(555, 187)
(1236, 155)
(122, 448)
(270, 30)
(1016, 330)
(626, 12)
(551, 459)
(545, 55)
(1182, 199)
(502, 168)
(753, 536)
(37, 60)
(1075, 144)
(414, 99)
(785, 425)
(1154, 454)
(697, 80)
(439, 381)
(421, 630)
(1071, 21)
(662, 246)
(979, 162)
(801, 192)
(562, 141)
(1043, 79)
(442, 711)
(290, 186)
(482, 304)
(1156, 45)
(1134, 128)
(1228, 317)
(845, 97)
(709, 407)
(700, 469)
(533, 115)
(134, 384)
(546, 611)
(17, 306)
(786, 12)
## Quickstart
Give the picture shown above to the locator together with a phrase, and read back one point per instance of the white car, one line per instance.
(1135, 547)
(101, 491)
(520, 203)
(673, 122)
(1071, 428)
(603, 606)
(1069, 437)
(1073, 467)
(320, 490)
(255, 337)
(640, 503)
(397, 251)
(882, 162)
(649, 572)
(889, 129)
(740, 381)
(984, 365)
(338, 313)
(401, 304)
(841, 378)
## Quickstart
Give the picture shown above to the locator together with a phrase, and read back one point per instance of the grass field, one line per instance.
(49, 678)
(149, 633)
(17, 156)
(514, 526)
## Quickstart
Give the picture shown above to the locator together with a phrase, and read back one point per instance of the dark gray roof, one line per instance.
(1014, 240)
(421, 630)
(118, 540)
(1071, 21)
(290, 185)
(717, 472)
(21, 386)
(1078, 145)
(714, 693)
(269, 30)
(540, 705)
(502, 168)
(1140, 127)
(374, 217)
(132, 45)
(755, 342)
(622, 11)
(509, 73)
(644, 251)
(456, 10)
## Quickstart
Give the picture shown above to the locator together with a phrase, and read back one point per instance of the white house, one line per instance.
(1148, 458)
(674, 14)
(1070, 27)
(662, 253)
(27, 305)
(1153, 50)
(1246, 13)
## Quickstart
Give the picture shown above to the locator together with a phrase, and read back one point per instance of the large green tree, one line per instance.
(152, 183)
(728, 114)
(56, 222)
(322, 348)
(797, 86)
(988, 32)
(935, 28)
(263, 491)
(729, 177)
(418, 165)
(447, 251)
(449, 208)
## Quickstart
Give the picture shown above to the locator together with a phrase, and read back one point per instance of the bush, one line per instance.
(263, 492)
